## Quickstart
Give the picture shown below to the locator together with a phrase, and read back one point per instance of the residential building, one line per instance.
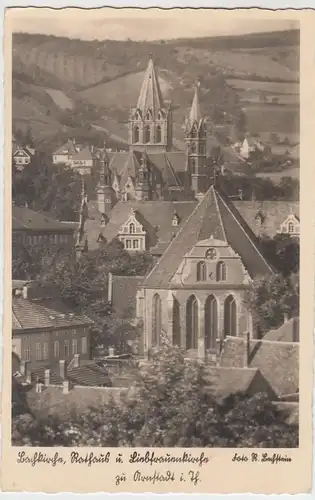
(65, 153)
(31, 227)
(44, 330)
(22, 156)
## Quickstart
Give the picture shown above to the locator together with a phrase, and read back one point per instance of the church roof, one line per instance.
(217, 217)
(195, 113)
(150, 94)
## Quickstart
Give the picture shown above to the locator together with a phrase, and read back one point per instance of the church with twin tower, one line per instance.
(153, 169)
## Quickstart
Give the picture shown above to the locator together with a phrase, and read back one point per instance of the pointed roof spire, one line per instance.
(195, 113)
(150, 95)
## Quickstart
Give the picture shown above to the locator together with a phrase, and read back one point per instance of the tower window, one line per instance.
(193, 148)
(221, 271)
(158, 134)
(147, 134)
(193, 165)
(136, 134)
(148, 116)
(201, 271)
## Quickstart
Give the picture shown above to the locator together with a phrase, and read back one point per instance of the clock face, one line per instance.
(211, 254)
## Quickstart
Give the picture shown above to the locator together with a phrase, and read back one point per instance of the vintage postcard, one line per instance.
(159, 236)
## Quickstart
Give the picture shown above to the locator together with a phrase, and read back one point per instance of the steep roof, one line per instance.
(83, 154)
(156, 216)
(24, 218)
(44, 313)
(214, 216)
(69, 148)
(150, 97)
(195, 113)
(273, 214)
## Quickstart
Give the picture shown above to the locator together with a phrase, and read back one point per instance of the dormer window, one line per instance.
(132, 228)
(291, 228)
(175, 220)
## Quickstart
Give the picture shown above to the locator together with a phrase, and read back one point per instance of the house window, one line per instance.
(158, 134)
(136, 134)
(291, 227)
(211, 322)
(27, 353)
(74, 346)
(147, 134)
(221, 271)
(84, 345)
(132, 228)
(45, 350)
(38, 351)
(192, 323)
(135, 244)
(156, 319)
(66, 348)
(128, 243)
(201, 271)
(230, 316)
(175, 220)
(56, 349)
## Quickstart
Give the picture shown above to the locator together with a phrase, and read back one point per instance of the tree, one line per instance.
(283, 252)
(170, 404)
(270, 298)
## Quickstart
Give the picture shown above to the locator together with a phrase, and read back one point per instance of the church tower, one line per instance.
(150, 123)
(196, 138)
(143, 191)
(105, 191)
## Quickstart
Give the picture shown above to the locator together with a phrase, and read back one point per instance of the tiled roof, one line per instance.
(87, 374)
(84, 154)
(44, 313)
(156, 217)
(124, 289)
(273, 214)
(288, 332)
(24, 218)
(214, 216)
(68, 148)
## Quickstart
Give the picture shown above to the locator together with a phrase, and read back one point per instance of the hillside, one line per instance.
(66, 87)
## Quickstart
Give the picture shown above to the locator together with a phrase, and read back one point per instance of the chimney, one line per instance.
(25, 292)
(23, 367)
(65, 387)
(246, 338)
(285, 317)
(38, 387)
(26, 204)
(76, 363)
(47, 378)
(111, 351)
(63, 368)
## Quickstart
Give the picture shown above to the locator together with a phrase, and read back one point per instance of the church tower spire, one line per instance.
(105, 192)
(196, 138)
(150, 123)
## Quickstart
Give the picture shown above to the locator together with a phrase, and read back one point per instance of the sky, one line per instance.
(138, 24)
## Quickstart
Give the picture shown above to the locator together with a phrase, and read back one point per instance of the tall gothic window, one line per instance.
(193, 147)
(201, 271)
(176, 323)
(192, 323)
(136, 134)
(230, 316)
(147, 134)
(158, 134)
(156, 319)
(193, 165)
(211, 322)
(221, 271)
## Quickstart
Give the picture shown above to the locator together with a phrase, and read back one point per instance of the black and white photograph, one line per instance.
(155, 231)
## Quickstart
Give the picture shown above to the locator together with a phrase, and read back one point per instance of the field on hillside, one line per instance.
(265, 86)
(269, 118)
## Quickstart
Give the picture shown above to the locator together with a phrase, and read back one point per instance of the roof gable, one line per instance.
(213, 217)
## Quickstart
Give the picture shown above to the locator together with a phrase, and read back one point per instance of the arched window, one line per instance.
(147, 134)
(148, 116)
(221, 271)
(176, 323)
(136, 134)
(132, 228)
(156, 319)
(192, 323)
(201, 271)
(193, 147)
(194, 131)
(193, 165)
(230, 316)
(158, 134)
(211, 322)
